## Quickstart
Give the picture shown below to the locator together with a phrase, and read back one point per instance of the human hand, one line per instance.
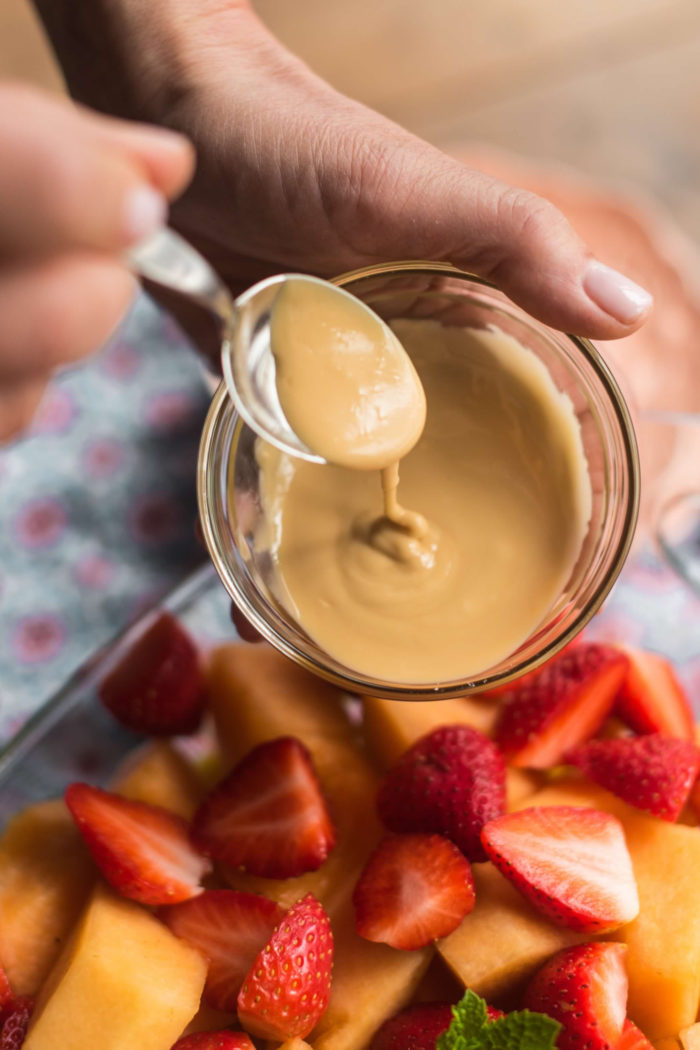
(75, 190)
(292, 175)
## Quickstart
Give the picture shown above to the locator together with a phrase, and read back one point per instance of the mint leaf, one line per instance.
(521, 1030)
(468, 1020)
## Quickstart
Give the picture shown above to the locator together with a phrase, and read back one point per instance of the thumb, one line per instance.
(437, 208)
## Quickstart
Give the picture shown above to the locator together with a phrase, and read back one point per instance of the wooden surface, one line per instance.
(611, 87)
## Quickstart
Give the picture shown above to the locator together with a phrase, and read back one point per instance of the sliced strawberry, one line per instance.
(16, 1018)
(414, 889)
(215, 1041)
(633, 1039)
(268, 816)
(529, 677)
(654, 773)
(289, 984)
(416, 1028)
(562, 708)
(143, 851)
(651, 699)
(571, 862)
(450, 782)
(229, 928)
(158, 688)
(585, 989)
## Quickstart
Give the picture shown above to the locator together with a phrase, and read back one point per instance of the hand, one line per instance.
(292, 175)
(75, 190)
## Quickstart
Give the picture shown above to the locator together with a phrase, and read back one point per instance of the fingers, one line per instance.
(57, 311)
(76, 180)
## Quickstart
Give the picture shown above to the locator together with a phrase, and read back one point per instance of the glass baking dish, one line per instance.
(73, 738)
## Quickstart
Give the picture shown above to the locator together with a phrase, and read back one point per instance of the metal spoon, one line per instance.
(246, 357)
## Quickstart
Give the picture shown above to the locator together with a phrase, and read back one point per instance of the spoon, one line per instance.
(246, 357)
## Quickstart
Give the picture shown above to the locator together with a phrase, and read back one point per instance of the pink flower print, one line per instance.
(103, 457)
(170, 410)
(121, 361)
(153, 519)
(38, 638)
(55, 413)
(94, 571)
(40, 523)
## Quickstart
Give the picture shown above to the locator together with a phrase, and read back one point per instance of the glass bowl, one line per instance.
(231, 511)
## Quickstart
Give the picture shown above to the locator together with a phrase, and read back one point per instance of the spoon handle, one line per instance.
(170, 261)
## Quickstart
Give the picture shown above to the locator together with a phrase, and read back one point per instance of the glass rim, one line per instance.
(355, 682)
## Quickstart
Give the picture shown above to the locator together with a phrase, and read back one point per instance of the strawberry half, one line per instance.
(633, 1039)
(6, 995)
(529, 677)
(585, 989)
(654, 773)
(572, 863)
(143, 851)
(229, 928)
(416, 1028)
(289, 984)
(158, 688)
(562, 707)
(268, 816)
(413, 889)
(419, 1027)
(651, 699)
(16, 1017)
(215, 1041)
(450, 782)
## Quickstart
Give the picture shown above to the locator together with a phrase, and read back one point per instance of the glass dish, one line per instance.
(227, 465)
(72, 737)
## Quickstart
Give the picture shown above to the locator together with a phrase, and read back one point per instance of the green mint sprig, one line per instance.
(520, 1030)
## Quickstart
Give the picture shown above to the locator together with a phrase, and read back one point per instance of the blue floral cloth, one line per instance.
(97, 506)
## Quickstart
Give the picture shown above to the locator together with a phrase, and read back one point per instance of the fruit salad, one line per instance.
(512, 869)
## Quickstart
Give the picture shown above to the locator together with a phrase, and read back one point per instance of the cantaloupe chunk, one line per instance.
(503, 941)
(392, 726)
(207, 1019)
(690, 1037)
(295, 1044)
(156, 773)
(46, 876)
(663, 958)
(124, 981)
(256, 694)
(666, 1044)
(370, 983)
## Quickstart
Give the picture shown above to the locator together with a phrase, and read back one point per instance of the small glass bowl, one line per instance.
(231, 512)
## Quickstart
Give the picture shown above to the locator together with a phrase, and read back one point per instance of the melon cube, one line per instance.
(690, 1037)
(159, 775)
(46, 876)
(123, 981)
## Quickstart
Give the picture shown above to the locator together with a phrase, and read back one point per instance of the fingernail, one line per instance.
(145, 211)
(614, 293)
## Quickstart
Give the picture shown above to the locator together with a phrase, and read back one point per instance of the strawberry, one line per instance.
(450, 782)
(654, 773)
(158, 687)
(143, 851)
(289, 984)
(529, 677)
(215, 1041)
(268, 816)
(413, 889)
(651, 699)
(229, 928)
(15, 1021)
(571, 862)
(632, 1038)
(585, 989)
(563, 707)
(418, 1027)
